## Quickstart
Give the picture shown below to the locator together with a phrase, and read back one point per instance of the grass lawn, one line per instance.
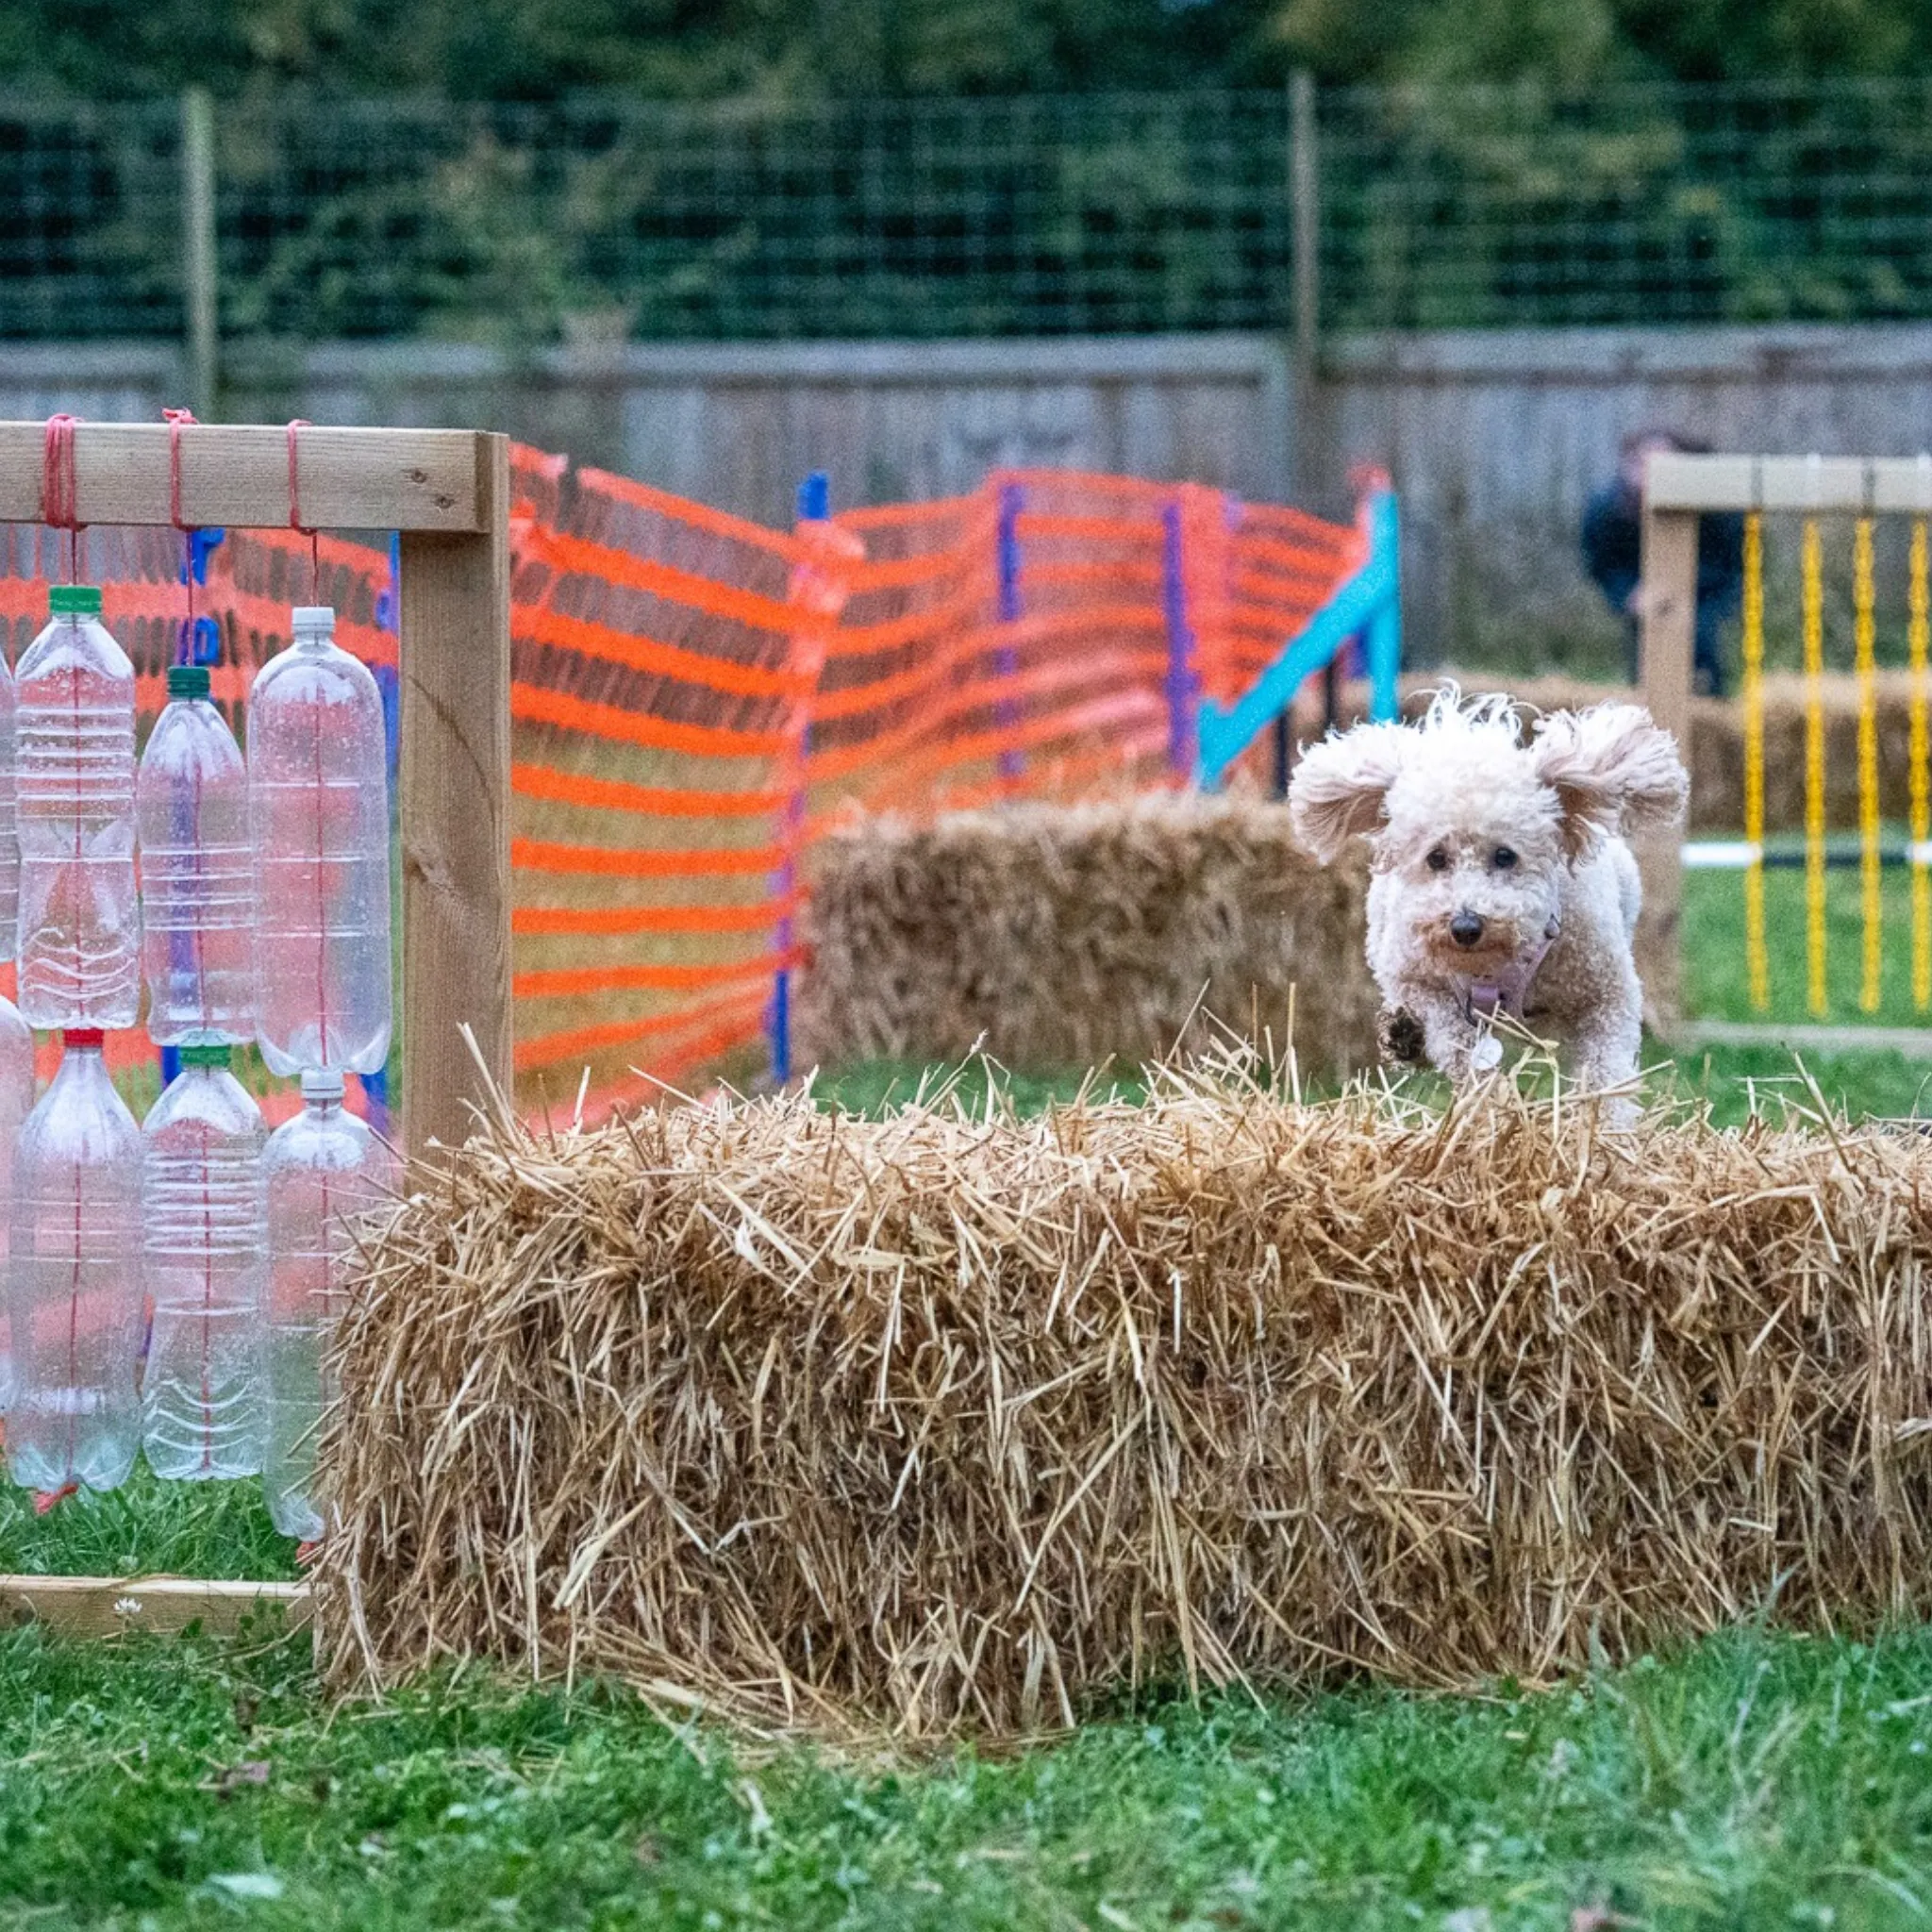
(1752, 1780)
(1716, 982)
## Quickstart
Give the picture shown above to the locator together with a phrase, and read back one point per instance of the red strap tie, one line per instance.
(296, 522)
(61, 488)
(176, 420)
(46, 1501)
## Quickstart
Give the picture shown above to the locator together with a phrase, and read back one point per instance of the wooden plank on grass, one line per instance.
(108, 1605)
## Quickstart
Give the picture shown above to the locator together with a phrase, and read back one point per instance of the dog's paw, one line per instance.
(1400, 1034)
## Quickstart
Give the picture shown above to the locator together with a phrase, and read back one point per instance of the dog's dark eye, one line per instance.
(1438, 861)
(1505, 858)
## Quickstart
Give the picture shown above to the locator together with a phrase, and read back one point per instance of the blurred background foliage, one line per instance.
(797, 51)
(527, 171)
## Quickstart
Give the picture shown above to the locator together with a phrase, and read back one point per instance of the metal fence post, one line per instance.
(1305, 202)
(198, 268)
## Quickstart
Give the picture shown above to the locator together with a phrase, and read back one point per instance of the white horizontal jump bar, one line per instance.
(1734, 855)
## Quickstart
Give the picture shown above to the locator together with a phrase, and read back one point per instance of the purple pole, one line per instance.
(1183, 681)
(1005, 658)
(815, 505)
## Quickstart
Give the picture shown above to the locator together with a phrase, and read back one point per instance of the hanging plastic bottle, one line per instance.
(73, 1281)
(197, 872)
(322, 1170)
(318, 792)
(9, 838)
(16, 1101)
(204, 1398)
(79, 929)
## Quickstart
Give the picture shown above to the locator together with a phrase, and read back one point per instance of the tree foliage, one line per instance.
(818, 49)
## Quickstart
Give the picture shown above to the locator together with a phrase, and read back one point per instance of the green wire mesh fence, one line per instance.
(601, 218)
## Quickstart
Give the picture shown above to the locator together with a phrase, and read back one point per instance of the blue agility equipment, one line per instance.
(1368, 602)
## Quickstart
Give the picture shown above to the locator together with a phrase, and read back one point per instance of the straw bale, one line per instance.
(1059, 935)
(935, 1424)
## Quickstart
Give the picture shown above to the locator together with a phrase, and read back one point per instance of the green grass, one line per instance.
(146, 1528)
(1716, 977)
(873, 1087)
(1739, 1080)
(1734, 1080)
(1752, 1781)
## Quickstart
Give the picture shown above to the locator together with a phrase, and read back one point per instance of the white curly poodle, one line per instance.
(1502, 883)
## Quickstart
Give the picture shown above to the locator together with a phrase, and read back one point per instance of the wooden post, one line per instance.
(199, 260)
(1669, 621)
(454, 646)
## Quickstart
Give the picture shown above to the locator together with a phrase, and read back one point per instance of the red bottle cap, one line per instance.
(82, 1035)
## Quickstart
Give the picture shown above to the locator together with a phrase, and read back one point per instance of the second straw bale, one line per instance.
(1063, 934)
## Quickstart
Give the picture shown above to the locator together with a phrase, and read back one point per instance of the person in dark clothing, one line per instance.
(1613, 541)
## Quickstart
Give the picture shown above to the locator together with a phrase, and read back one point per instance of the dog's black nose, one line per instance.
(1465, 928)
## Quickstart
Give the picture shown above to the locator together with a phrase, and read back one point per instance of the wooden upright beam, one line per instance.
(236, 475)
(1669, 626)
(454, 781)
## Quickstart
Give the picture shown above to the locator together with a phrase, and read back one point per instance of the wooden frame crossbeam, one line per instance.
(446, 493)
(1869, 485)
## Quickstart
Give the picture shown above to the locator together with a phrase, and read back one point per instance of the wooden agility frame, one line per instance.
(447, 494)
(1678, 489)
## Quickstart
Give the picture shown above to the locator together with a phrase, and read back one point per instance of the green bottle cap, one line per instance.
(75, 600)
(207, 1053)
(187, 680)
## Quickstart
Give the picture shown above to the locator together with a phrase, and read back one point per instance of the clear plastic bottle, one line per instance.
(204, 1396)
(318, 790)
(73, 1281)
(197, 872)
(79, 930)
(322, 1170)
(10, 839)
(16, 1101)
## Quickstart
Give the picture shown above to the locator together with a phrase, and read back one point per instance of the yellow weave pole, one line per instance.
(1758, 960)
(1817, 995)
(1871, 877)
(1916, 632)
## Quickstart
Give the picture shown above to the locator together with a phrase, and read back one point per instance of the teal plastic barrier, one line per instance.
(1369, 602)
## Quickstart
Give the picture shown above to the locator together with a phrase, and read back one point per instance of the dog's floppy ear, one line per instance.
(1612, 770)
(1341, 785)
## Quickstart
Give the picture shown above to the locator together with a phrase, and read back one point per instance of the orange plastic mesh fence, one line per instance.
(694, 698)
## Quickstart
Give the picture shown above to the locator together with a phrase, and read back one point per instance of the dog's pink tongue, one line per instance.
(1485, 996)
